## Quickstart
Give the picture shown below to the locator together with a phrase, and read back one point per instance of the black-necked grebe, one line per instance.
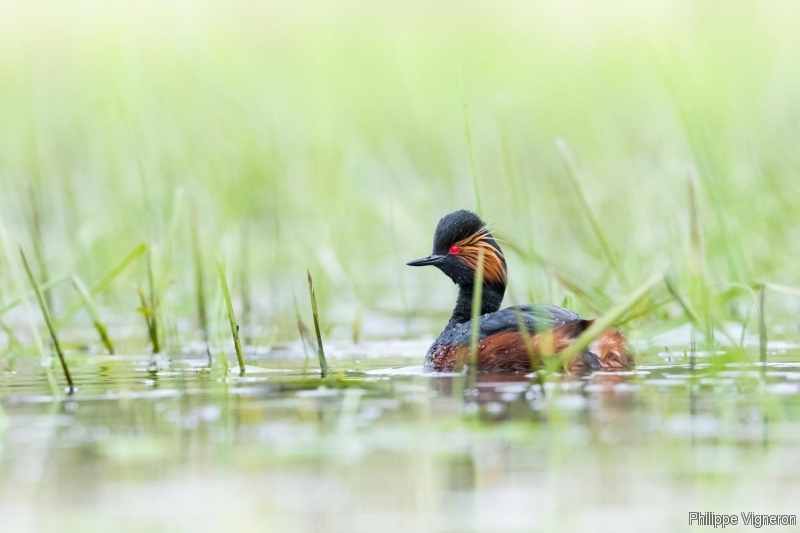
(457, 244)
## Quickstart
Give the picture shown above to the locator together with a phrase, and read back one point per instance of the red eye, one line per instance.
(454, 250)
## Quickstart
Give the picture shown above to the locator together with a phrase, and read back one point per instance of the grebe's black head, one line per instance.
(457, 243)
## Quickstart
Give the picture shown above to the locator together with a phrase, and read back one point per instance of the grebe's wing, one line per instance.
(537, 318)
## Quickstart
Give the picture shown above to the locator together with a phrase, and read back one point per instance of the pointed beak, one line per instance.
(432, 259)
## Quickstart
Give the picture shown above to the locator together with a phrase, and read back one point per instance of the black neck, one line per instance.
(491, 298)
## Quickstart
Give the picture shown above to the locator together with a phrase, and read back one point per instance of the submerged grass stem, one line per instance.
(48, 320)
(301, 328)
(88, 301)
(148, 318)
(323, 364)
(226, 294)
(153, 304)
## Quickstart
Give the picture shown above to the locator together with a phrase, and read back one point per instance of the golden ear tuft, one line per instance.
(494, 269)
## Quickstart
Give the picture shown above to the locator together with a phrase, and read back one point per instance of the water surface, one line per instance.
(156, 443)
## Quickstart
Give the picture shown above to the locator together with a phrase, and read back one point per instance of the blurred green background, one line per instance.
(333, 135)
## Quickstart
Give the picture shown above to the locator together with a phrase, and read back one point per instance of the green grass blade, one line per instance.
(526, 254)
(58, 280)
(526, 339)
(323, 364)
(727, 295)
(244, 275)
(762, 325)
(18, 280)
(199, 276)
(226, 294)
(697, 254)
(301, 327)
(569, 301)
(148, 318)
(37, 238)
(685, 305)
(714, 177)
(652, 307)
(88, 301)
(105, 281)
(697, 261)
(358, 324)
(112, 274)
(48, 320)
(153, 304)
(477, 299)
(594, 220)
(709, 326)
(593, 298)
